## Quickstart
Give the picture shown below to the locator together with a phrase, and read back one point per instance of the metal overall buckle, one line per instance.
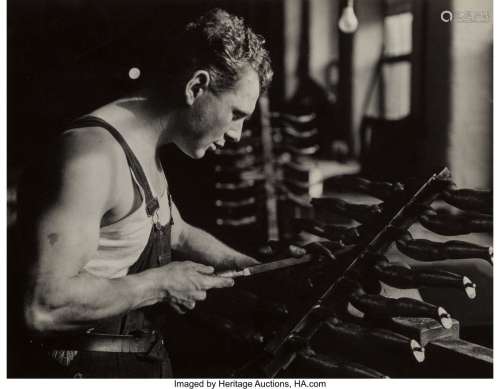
(156, 220)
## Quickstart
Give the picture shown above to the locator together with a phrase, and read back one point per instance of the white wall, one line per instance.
(471, 90)
(367, 47)
(323, 39)
(458, 93)
(292, 36)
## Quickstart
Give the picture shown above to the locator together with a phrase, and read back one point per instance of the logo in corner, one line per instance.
(447, 16)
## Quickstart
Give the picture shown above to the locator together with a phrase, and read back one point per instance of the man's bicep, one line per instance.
(65, 228)
(65, 239)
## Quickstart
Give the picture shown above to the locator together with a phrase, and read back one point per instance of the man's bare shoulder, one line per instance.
(89, 154)
(88, 144)
(82, 162)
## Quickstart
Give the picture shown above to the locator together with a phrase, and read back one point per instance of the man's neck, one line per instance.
(153, 125)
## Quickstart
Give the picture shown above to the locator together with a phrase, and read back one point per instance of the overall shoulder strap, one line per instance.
(136, 168)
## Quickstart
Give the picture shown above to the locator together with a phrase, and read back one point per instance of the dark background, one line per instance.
(68, 57)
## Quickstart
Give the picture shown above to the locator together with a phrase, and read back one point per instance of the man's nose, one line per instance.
(235, 132)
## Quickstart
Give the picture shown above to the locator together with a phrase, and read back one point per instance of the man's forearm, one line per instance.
(81, 300)
(200, 246)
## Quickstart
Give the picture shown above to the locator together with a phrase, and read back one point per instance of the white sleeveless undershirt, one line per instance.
(121, 243)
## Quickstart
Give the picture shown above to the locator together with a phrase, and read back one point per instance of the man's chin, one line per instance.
(199, 153)
(194, 153)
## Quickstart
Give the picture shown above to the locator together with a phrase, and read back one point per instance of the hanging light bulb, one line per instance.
(348, 22)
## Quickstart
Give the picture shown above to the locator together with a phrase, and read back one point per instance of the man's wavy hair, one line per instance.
(219, 43)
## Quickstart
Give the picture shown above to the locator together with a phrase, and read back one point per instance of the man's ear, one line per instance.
(196, 85)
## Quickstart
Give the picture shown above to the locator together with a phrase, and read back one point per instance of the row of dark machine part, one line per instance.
(299, 177)
(297, 143)
(240, 195)
(356, 289)
(472, 212)
(359, 317)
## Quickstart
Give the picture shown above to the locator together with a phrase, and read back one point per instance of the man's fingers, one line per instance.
(199, 295)
(229, 273)
(189, 304)
(178, 309)
(203, 269)
(210, 282)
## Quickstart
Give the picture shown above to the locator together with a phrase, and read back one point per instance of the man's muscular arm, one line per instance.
(63, 230)
(202, 247)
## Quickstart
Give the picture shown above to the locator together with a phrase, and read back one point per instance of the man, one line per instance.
(97, 221)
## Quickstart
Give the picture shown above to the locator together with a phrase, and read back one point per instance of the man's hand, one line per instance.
(185, 283)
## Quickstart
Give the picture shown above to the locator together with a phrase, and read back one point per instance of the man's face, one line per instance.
(212, 117)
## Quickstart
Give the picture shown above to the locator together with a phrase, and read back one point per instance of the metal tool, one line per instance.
(266, 267)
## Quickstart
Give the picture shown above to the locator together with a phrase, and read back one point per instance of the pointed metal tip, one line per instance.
(444, 318)
(417, 350)
(470, 288)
